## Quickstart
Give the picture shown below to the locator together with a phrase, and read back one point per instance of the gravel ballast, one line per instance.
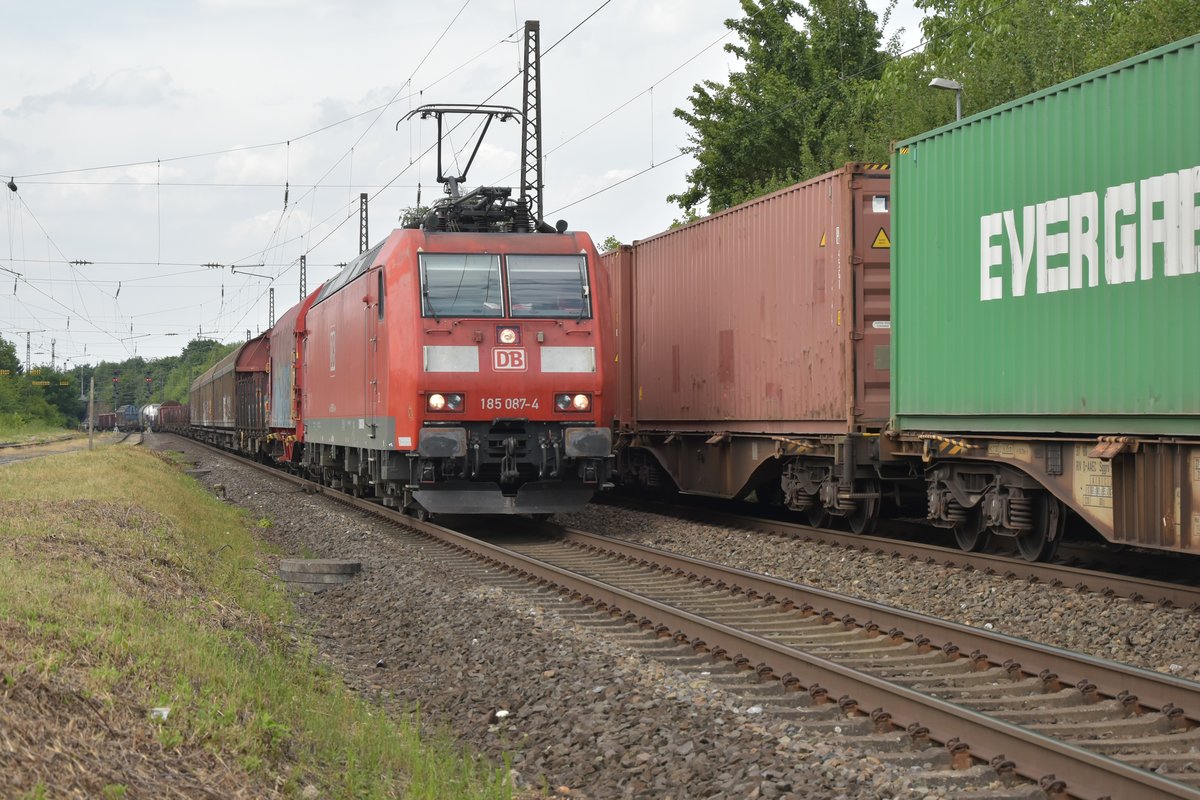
(575, 715)
(1141, 634)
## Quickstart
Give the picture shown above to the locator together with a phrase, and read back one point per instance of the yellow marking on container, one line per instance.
(882, 242)
(822, 239)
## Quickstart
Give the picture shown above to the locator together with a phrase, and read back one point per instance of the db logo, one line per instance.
(508, 359)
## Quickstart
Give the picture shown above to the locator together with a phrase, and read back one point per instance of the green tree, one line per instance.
(1000, 52)
(793, 111)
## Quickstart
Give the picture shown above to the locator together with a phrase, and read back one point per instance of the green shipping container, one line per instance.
(1045, 259)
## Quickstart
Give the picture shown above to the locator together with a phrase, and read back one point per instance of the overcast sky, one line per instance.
(151, 138)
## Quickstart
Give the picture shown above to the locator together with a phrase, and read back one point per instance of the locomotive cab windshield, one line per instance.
(472, 285)
(461, 285)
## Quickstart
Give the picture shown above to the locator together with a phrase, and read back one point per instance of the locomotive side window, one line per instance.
(380, 294)
(549, 286)
(461, 285)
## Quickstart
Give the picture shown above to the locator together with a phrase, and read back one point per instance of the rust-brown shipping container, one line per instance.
(758, 326)
(618, 264)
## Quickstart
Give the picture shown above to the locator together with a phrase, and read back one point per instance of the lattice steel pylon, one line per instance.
(363, 244)
(303, 276)
(531, 122)
(272, 303)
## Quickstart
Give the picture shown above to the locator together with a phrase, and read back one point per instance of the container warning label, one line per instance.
(822, 239)
(882, 242)
(1093, 480)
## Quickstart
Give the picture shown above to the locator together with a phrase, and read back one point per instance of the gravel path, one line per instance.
(503, 671)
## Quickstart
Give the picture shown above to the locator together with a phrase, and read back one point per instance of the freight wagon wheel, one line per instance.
(1041, 543)
(818, 517)
(971, 534)
(866, 512)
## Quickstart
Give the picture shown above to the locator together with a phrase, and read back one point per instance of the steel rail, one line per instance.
(1139, 589)
(1154, 689)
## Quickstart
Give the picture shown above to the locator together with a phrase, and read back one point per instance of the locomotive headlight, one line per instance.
(572, 402)
(448, 401)
(508, 335)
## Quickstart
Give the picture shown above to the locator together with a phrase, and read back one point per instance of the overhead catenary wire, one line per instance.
(350, 152)
(774, 112)
(277, 246)
(517, 74)
(273, 243)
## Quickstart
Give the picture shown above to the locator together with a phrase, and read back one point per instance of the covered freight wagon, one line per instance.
(755, 347)
(173, 416)
(229, 402)
(1046, 300)
(286, 377)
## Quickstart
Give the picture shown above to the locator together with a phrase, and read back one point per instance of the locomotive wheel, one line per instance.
(1049, 521)
(972, 535)
(866, 512)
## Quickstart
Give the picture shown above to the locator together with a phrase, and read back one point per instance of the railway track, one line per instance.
(1074, 725)
(1096, 724)
(12, 453)
(1108, 583)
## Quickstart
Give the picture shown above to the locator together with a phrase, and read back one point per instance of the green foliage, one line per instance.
(817, 90)
(28, 407)
(611, 243)
(793, 111)
(413, 215)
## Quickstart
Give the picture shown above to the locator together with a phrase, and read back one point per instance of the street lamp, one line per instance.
(954, 86)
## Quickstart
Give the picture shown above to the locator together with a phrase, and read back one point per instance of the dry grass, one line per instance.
(123, 587)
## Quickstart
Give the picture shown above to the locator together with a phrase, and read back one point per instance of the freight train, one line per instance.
(458, 366)
(997, 332)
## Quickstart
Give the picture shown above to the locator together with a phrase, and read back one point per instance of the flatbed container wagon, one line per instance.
(754, 348)
(1046, 300)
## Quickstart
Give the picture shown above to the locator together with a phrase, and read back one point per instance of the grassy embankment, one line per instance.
(125, 587)
(14, 428)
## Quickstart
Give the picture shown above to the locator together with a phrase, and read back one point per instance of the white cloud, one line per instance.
(136, 87)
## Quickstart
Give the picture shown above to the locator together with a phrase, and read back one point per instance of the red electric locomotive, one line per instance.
(462, 372)
(459, 366)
